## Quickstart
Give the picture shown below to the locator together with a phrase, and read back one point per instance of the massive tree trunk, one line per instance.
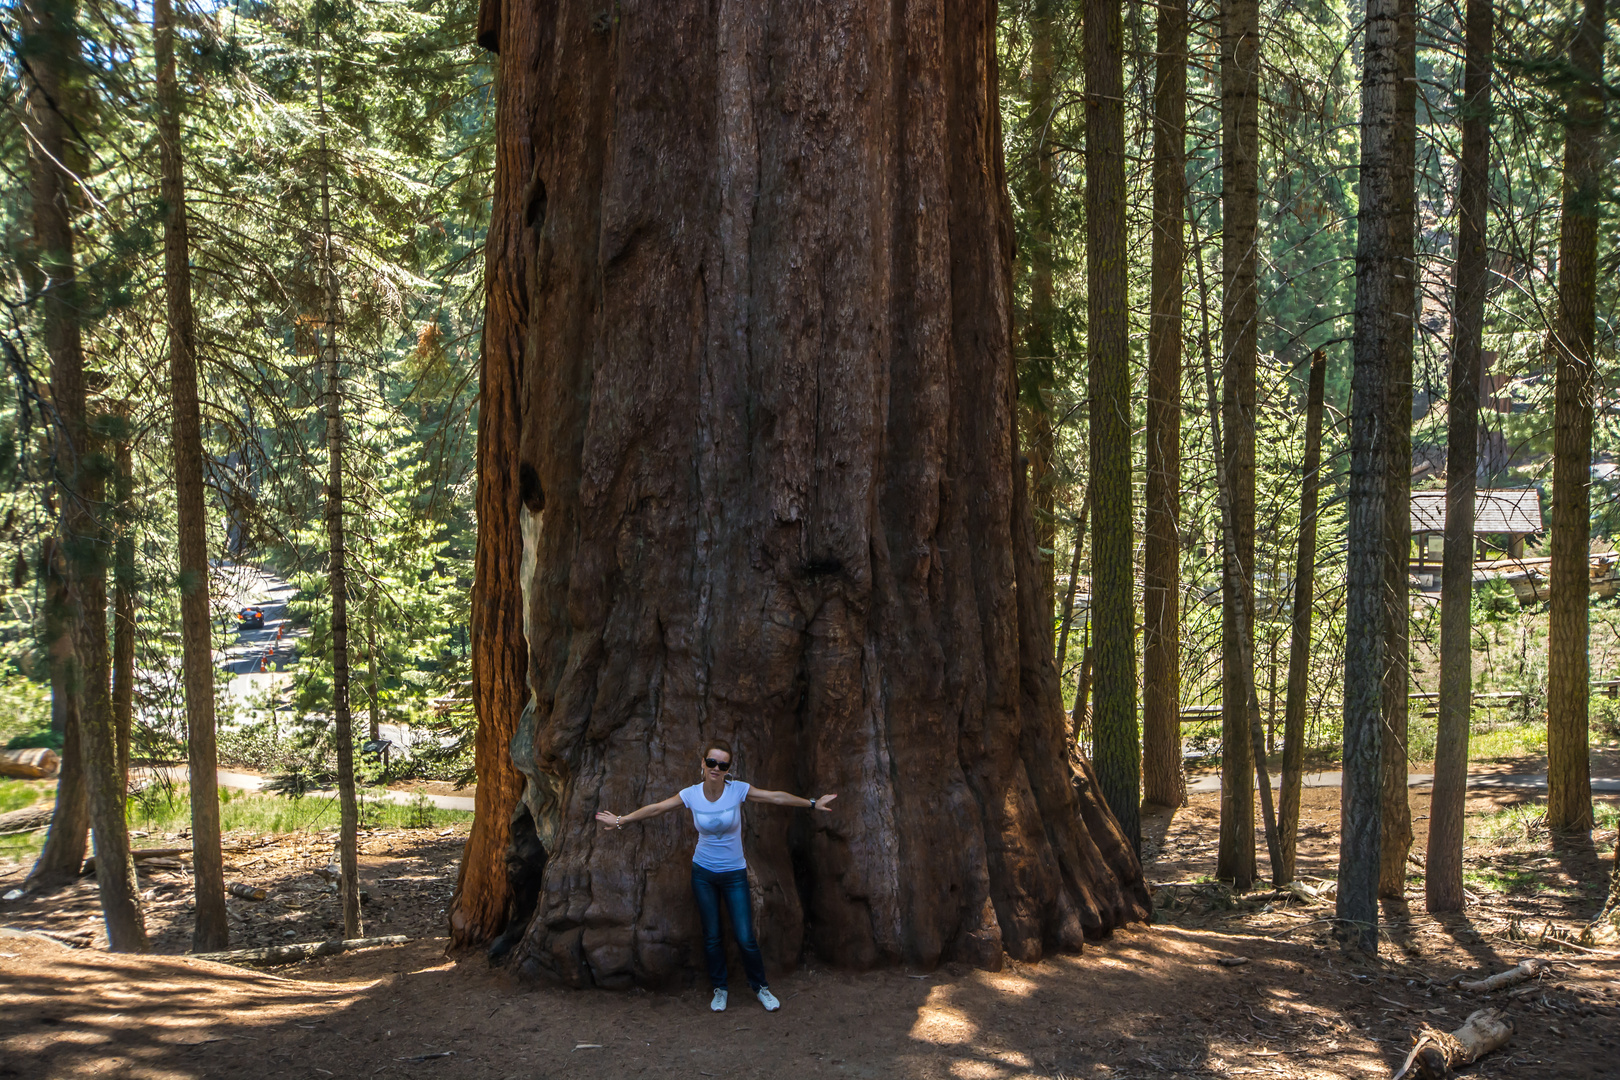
(80, 461)
(1569, 778)
(769, 412)
(1117, 745)
(337, 574)
(1442, 874)
(1396, 812)
(210, 930)
(483, 904)
(1240, 235)
(1162, 780)
(1299, 639)
(1381, 278)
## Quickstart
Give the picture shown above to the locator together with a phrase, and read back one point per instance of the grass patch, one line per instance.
(16, 794)
(1503, 879)
(259, 813)
(1520, 740)
(159, 811)
(1511, 826)
(23, 848)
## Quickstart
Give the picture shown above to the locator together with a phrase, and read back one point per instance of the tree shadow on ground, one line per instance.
(1150, 1001)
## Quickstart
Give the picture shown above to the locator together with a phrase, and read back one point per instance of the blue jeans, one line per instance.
(731, 886)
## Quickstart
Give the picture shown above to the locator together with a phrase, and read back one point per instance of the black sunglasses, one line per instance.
(723, 766)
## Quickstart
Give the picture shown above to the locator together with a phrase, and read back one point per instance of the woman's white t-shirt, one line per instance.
(719, 826)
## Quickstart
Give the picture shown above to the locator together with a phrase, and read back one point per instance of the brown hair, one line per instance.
(720, 745)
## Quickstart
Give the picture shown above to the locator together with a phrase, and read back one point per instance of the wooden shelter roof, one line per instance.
(1515, 511)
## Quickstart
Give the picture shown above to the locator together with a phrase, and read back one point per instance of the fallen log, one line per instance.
(1525, 971)
(1436, 1053)
(164, 857)
(37, 763)
(292, 954)
(27, 819)
(246, 891)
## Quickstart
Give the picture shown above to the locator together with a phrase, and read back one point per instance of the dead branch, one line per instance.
(1526, 970)
(292, 954)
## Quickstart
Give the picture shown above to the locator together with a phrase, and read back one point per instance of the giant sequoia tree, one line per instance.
(770, 488)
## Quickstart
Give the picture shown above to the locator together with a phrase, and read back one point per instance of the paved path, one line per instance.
(1601, 785)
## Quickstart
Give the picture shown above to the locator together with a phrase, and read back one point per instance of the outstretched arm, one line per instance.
(782, 798)
(652, 810)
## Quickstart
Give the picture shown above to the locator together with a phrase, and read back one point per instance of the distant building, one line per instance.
(1503, 519)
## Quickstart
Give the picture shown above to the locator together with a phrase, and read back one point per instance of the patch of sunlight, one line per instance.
(941, 1023)
(976, 1070)
(1011, 984)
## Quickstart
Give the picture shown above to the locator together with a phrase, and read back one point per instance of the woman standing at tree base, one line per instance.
(719, 870)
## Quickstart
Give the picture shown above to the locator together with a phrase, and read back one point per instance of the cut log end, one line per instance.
(37, 763)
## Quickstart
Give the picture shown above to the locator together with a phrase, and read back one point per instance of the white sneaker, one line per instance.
(719, 1002)
(768, 999)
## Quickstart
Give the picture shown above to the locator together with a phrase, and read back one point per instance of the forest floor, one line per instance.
(1149, 1002)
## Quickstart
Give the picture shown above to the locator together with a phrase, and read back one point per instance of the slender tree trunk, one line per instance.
(1396, 813)
(123, 666)
(88, 533)
(1244, 646)
(1074, 582)
(210, 931)
(63, 852)
(1240, 234)
(375, 702)
(1442, 875)
(1116, 743)
(770, 398)
(80, 461)
(1299, 639)
(1039, 339)
(337, 571)
(1381, 278)
(1080, 718)
(1163, 782)
(508, 500)
(1569, 779)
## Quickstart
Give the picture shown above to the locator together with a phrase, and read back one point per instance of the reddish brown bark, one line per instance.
(482, 907)
(768, 407)
(210, 929)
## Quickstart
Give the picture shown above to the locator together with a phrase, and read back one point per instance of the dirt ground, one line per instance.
(406, 878)
(1150, 1002)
